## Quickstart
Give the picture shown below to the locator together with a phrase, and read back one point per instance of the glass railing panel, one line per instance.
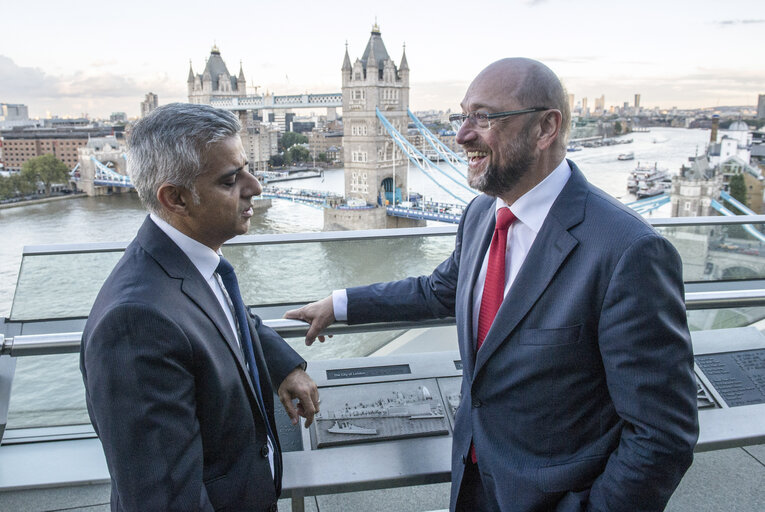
(302, 272)
(60, 285)
(719, 252)
(726, 318)
(47, 391)
(65, 284)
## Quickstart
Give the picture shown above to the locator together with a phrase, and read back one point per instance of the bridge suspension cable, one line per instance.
(419, 159)
(748, 227)
(440, 148)
(736, 203)
(646, 205)
(103, 173)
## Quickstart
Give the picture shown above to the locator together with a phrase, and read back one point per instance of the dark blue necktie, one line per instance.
(227, 275)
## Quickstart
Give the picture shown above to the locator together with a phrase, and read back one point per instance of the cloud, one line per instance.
(80, 90)
(727, 23)
(573, 59)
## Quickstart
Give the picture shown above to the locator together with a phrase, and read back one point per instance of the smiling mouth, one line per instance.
(476, 157)
(248, 212)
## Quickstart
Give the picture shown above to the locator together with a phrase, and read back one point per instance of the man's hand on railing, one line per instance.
(319, 315)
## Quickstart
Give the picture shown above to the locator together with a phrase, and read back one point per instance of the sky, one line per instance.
(88, 57)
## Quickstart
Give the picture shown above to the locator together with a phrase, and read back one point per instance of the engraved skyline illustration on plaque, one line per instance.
(451, 395)
(377, 412)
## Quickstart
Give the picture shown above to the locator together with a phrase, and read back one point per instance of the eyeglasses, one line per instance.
(482, 120)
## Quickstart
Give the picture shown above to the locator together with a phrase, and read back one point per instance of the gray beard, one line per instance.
(496, 180)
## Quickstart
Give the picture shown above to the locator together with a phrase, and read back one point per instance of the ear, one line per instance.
(549, 128)
(174, 199)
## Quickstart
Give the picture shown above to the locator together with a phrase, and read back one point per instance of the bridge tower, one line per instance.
(215, 81)
(375, 169)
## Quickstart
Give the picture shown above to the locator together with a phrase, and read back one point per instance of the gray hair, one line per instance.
(169, 145)
(542, 88)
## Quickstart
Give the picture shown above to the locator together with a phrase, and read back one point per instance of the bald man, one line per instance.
(578, 390)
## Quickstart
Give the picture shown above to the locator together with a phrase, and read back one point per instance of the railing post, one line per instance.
(298, 501)
(7, 370)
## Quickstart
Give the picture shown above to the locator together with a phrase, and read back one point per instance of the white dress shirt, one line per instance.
(530, 210)
(206, 262)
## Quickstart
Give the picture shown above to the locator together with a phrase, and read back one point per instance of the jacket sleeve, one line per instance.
(413, 298)
(280, 358)
(140, 393)
(648, 360)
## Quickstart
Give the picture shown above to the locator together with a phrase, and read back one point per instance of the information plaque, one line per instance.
(368, 371)
(739, 377)
(379, 412)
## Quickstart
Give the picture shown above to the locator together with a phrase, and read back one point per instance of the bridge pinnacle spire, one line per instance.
(404, 65)
(347, 59)
(191, 73)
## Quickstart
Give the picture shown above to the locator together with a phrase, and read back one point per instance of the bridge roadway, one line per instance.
(271, 102)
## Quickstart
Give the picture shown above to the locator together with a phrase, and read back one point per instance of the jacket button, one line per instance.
(264, 451)
(476, 403)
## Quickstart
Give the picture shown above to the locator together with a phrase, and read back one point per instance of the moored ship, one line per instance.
(646, 178)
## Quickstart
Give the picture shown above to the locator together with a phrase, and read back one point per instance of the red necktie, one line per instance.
(494, 285)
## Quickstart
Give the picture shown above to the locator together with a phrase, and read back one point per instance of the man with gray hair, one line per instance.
(178, 374)
(578, 390)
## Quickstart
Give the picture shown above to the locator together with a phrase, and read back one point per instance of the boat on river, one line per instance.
(626, 156)
(644, 179)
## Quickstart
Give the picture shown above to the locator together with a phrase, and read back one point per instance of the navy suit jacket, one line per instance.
(168, 391)
(582, 396)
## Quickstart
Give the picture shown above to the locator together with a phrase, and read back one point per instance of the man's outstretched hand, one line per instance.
(319, 314)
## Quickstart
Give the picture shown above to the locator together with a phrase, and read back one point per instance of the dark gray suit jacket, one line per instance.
(168, 391)
(582, 396)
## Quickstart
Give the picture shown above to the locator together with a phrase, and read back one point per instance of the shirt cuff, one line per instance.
(340, 305)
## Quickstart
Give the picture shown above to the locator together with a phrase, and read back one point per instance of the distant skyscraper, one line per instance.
(571, 102)
(584, 106)
(600, 103)
(637, 102)
(150, 103)
(761, 106)
(11, 112)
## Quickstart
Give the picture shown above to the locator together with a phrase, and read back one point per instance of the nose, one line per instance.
(465, 133)
(252, 187)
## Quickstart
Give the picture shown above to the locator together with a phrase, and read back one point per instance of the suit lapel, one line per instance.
(177, 265)
(475, 241)
(550, 249)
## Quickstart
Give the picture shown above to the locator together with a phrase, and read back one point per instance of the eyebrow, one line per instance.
(233, 172)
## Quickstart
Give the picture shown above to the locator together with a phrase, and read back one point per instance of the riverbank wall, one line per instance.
(5, 206)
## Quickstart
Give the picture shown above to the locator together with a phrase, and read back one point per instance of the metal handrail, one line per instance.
(367, 234)
(67, 343)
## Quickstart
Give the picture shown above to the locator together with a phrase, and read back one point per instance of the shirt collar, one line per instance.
(204, 259)
(533, 206)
